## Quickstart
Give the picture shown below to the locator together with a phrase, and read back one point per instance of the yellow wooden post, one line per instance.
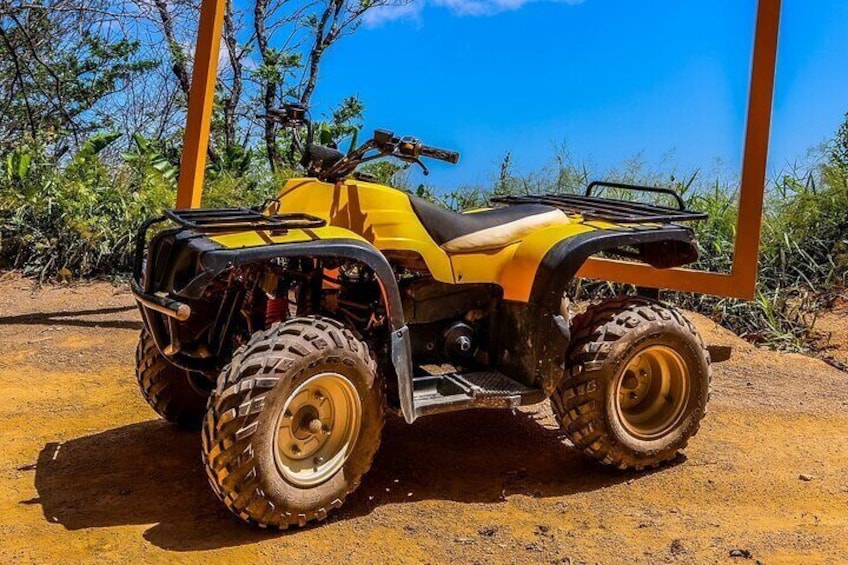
(200, 101)
(746, 249)
(741, 281)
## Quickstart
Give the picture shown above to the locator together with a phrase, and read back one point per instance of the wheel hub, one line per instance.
(651, 392)
(317, 429)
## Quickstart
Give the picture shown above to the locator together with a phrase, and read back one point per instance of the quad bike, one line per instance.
(289, 331)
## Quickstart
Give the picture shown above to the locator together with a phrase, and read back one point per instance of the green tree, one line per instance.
(56, 68)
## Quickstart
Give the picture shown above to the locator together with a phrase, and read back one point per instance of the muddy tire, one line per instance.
(168, 389)
(637, 383)
(294, 423)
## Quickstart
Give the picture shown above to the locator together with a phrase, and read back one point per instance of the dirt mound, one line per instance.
(88, 473)
(831, 328)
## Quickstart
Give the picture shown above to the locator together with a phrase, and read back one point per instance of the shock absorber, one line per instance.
(277, 303)
(276, 309)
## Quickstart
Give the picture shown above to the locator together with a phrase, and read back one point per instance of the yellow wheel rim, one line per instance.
(317, 429)
(651, 392)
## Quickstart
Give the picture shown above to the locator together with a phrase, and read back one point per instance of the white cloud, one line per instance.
(382, 14)
(412, 10)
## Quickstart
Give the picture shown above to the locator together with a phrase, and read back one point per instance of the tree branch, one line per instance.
(178, 55)
(20, 79)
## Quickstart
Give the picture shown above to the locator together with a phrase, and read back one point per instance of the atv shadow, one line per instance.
(151, 473)
(72, 318)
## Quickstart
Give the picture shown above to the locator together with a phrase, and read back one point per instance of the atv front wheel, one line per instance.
(294, 423)
(638, 383)
(172, 392)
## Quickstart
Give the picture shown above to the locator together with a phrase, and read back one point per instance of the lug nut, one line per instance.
(318, 460)
(315, 426)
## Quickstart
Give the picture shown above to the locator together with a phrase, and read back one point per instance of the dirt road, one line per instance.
(87, 474)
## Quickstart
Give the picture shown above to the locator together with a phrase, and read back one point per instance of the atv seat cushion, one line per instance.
(484, 230)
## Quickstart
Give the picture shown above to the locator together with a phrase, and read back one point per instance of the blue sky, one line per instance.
(611, 78)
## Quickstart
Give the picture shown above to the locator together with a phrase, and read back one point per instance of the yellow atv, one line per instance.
(289, 331)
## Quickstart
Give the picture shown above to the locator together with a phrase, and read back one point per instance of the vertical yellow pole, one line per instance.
(200, 101)
(749, 221)
(742, 280)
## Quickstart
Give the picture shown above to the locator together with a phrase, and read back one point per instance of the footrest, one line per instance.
(492, 383)
(460, 391)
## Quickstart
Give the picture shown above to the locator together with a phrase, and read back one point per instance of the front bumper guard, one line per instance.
(164, 305)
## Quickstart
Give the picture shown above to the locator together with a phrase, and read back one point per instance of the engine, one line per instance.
(449, 324)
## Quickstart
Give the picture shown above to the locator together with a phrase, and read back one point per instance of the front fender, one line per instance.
(358, 250)
(215, 262)
(208, 257)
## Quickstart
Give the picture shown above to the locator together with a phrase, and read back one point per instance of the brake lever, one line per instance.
(409, 159)
(424, 168)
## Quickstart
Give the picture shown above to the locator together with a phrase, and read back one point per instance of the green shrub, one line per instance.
(81, 216)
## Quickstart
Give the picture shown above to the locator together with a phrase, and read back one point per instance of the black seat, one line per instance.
(445, 226)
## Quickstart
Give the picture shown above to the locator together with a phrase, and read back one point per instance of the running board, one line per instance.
(433, 394)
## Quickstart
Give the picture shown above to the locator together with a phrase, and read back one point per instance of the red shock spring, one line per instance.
(275, 310)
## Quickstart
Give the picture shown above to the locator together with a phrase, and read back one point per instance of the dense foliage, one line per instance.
(93, 97)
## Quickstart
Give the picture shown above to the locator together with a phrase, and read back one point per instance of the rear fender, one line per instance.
(537, 329)
(661, 247)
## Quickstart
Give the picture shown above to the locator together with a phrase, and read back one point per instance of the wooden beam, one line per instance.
(746, 248)
(200, 102)
(741, 281)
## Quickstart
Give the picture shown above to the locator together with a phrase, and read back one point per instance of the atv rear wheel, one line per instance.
(638, 383)
(294, 423)
(172, 392)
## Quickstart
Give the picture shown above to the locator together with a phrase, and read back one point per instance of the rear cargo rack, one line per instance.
(220, 220)
(593, 207)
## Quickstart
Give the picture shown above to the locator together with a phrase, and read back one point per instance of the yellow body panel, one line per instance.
(514, 266)
(256, 238)
(384, 217)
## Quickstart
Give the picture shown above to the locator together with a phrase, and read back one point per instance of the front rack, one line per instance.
(593, 207)
(220, 220)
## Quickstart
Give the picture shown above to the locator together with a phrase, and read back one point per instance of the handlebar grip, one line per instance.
(441, 154)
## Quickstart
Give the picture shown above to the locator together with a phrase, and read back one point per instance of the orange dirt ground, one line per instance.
(88, 474)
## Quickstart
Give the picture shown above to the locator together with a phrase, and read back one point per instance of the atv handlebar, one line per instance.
(330, 165)
(440, 154)
(410, 147)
